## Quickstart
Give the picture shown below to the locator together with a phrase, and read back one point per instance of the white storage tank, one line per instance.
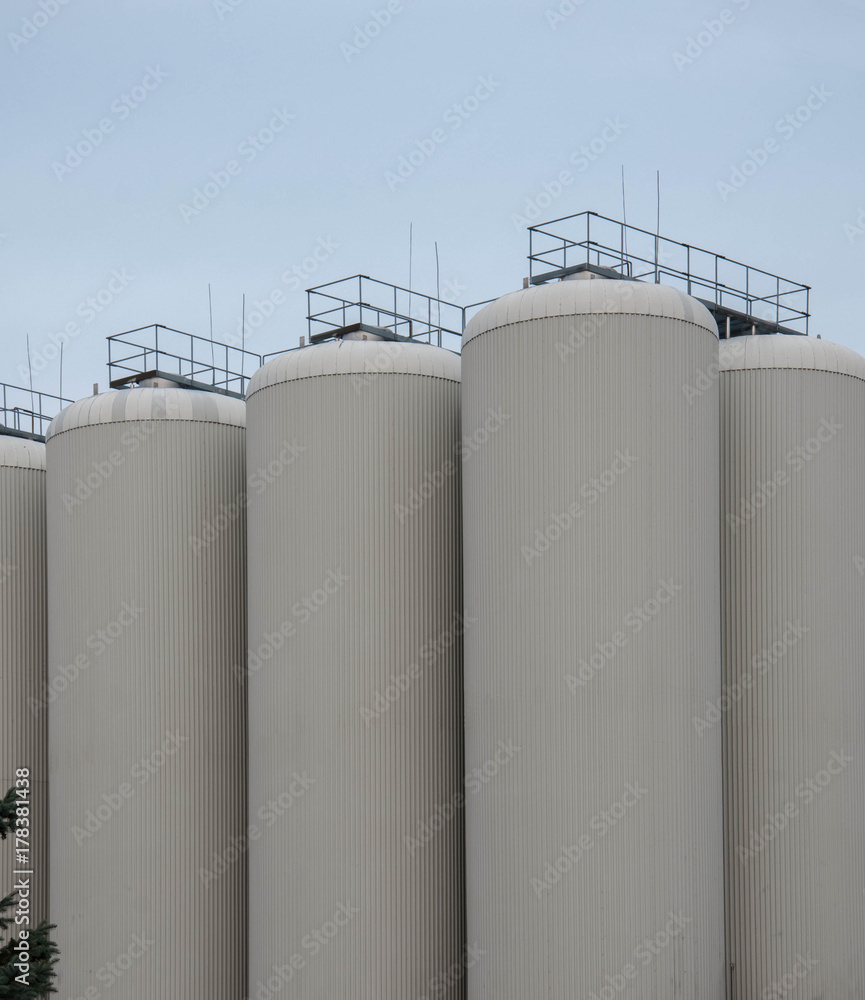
(147, 720)
(793, 570)
(594, 846)
(24, 642)
(355, 673)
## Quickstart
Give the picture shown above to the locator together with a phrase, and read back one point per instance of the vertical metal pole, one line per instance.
(688, 266)
(438, 296)
(658, 228)
(30, 368)
(210, 304)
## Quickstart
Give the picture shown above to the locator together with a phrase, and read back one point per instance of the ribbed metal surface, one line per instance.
(793, 478)
(355, 686)
(594, 855)
(147, 721)
(23, 654)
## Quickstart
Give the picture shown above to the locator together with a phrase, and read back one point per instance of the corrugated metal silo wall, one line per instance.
(594, 833)
(24, 640)
(794, 679)
(355, 685)
(147, 726)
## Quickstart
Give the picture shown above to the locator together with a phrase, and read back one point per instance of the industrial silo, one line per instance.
(594, 833)
(355, 673)
(793, 571)
(147, 717)
(24, 641)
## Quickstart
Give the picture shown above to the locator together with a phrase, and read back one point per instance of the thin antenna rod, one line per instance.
(438, 294)
(61, 371)
(210, 304)
(658, 229)
(32, 407)
(242, 340)
(624, 217)
(410, 249)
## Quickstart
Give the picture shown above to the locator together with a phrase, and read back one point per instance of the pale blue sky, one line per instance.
(220, 71)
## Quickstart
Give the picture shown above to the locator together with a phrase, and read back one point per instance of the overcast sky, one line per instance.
(314, 106)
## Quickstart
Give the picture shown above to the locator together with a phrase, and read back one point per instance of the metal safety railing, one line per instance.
(195, 361)
(27, 413)
(405, 314)
(730, 288)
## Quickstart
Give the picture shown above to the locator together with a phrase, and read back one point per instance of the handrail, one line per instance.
(223, 368)
(28, 412)
(552, 245)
